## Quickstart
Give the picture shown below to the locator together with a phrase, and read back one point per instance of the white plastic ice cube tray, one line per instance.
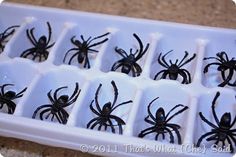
(53, 73)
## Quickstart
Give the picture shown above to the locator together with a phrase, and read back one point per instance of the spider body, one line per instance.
(160, 123)
(175, 69)
(129, 62)
(222, 131)
(4, 35)
(104, 116)
(7, 98)
(58, 105)
(83, 48)
(224, 64)
(41, 46)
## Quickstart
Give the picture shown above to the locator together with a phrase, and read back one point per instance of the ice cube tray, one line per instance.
(39, 78)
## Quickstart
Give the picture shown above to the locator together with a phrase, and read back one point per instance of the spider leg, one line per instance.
(49, 32)
(92, 50)
(75, 94)
(11, 107)
(86, 62)
(141, 51)
(95, 124)
(234, 121)
(164, 75)
(176, 106)
(59, 118)
(121, 52)
(73, 56)
(62, 116)
(233, 138)
(98, 38)
(115, 93)
(96, 98)
(20, 94)
(32, 35)
(158, 74)
(138, 69)
(226, 81)
(149, 110)
(171, 135)
(93, 120)
(177, 133)
(202, 137)
(226, 56)
(213, 108)
(56, 91)
(230, 144)
(98, 43)
(149, 121)
(116, 65)
(49, 46)
(208, 65)
(15, 26)
(164, 64)
(163, 58)
(43, 112)
(27, 52)
(32, 40)
(39, 108)
(178, 112)
(187, 61)
(112, 126)
(3, 87)
(207, 121)
(189, 75)
(92, 109)
(156, 137)
(206, 58)
(117, 119)
(146, 132)
(72, 49)
(123, 103)
(185, 77)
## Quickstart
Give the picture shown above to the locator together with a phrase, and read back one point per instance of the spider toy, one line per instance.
(175, 69)
(224, 64)
(83, 48)
(222, 131)
(6, 98)
(57, 106)
(4, 35)
(160, 123)
(41, 46)
(104, 116)
(129, 62)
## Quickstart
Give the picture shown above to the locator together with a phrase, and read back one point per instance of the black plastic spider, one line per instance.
(56, 108)
(7, 98)
(224, 65)
(4, 35)
(222, 131)
(83, 48)
(41, 46)
(160, 123)
(175, 69)
(129, 62)
(104, 115)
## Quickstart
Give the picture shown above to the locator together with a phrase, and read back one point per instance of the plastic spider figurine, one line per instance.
(104, 116)
(83, 48)
(222, 131)
(41, 46)
(57, 106)
(175, 69)
(4, 35)
(129, 62)
(7, 98)
(160, 123)
(224, 65)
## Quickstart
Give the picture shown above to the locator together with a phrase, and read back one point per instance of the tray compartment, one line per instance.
(225, 103)
(78, 30)
(124, 40)
(47, 81)
(218, 42)
(15, 73)
(21, 41)
(168, 98)
(105, 95)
